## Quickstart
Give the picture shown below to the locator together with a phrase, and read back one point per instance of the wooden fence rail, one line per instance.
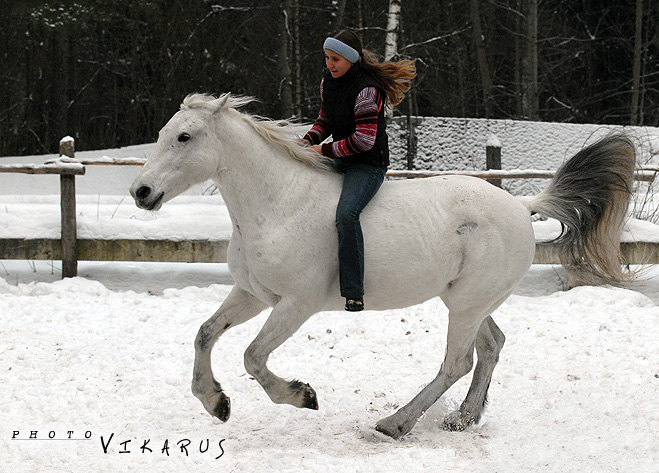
(69, 249)
(646, 174)
(184, 251)
(215, 251)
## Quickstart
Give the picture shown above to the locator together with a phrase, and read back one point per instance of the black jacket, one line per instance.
(339, 97)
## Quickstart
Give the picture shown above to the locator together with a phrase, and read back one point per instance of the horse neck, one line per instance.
(258, 177)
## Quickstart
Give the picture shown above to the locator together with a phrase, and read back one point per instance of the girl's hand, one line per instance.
(317, 148)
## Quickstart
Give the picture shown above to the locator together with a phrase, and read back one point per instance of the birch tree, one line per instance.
(391, 40)
(393, 27)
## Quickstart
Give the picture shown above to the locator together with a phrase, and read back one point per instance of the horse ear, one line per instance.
(221, 103)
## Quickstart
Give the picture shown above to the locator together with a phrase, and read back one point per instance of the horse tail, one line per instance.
(589, 196)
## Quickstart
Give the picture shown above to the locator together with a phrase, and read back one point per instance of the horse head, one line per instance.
(186, 153)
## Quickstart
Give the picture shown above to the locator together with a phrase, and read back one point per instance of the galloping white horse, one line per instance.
(459, 238)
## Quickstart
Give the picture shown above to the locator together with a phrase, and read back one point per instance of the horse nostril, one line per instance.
(143, 192)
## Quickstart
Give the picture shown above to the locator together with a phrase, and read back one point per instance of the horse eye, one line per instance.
(183, 137)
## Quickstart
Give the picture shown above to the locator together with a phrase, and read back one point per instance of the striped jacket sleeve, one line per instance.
(368, 104)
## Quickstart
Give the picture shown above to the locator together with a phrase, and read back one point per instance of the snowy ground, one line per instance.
(110, 353)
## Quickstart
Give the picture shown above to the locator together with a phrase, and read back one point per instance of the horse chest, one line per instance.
(251, 267)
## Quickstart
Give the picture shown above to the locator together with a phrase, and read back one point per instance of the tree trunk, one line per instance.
(411, 134)
(479, 44)
(530, 61)
(391, 40)
(340, 15)
(360, 14)
(517, 79)
(297, 67)
(393, 25)
(636, 72)
(285, 89)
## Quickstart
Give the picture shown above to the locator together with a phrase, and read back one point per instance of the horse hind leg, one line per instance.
(286, 318)
(238, 307)
(489, 341)
(458, 361)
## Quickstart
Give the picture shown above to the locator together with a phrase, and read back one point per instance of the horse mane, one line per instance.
(278, 132)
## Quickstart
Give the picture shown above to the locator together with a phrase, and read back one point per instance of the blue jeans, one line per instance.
(360, 184)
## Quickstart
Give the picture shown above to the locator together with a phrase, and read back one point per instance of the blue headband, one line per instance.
(333, 44)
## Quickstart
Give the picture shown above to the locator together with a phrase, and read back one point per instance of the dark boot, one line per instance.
(354, 305)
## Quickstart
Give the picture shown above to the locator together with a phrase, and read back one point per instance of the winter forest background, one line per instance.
(112, 72)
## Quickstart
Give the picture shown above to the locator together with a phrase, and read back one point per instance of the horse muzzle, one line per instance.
(146, 198)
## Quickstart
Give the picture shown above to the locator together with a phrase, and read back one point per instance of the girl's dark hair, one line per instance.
(395, 78)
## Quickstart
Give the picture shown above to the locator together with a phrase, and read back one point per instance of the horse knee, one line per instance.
(490, 345)
(499, 338)
(500, 341)
(465, 366)
(458, 368)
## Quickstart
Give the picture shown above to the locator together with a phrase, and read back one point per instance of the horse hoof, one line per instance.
(392, 427)
(394, 432)
(457, 421)
(307, 393)
(310, 400)
(223, 408)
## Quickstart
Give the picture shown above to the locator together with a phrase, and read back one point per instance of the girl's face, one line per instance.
(337, 64)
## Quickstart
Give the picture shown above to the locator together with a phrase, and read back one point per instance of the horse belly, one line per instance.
(409, 259)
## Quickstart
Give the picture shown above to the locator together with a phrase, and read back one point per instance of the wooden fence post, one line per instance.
(411, 137)
(493, 157)
(68, 210)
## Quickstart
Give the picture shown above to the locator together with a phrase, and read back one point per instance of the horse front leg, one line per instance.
(286, 318)
(238, 307)
(489, 342)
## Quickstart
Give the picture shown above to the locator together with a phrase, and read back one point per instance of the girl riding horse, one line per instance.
(354, 94)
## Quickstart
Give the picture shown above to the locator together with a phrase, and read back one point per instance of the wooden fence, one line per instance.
(70, 249)
(67, 171)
